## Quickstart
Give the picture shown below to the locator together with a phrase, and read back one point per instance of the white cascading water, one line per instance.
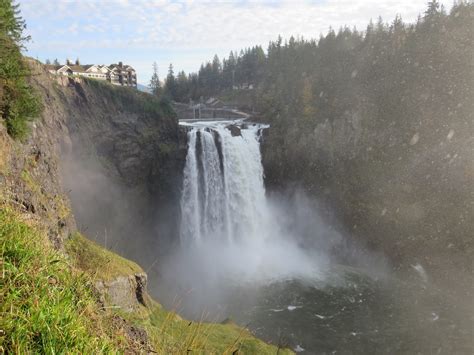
(223, 193)
(190, 207)
(229, 230)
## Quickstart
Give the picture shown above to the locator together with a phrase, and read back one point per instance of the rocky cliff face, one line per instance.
(121, 165)
(113, 151)
(29, 172)
(405, 192)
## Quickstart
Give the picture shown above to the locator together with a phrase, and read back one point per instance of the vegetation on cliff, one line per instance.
(18, 102)
(101, 263)
(133, 100)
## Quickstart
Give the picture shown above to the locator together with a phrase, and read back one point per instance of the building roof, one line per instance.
(52, 66)
(84, 68)
(77, 68)
(123, 67)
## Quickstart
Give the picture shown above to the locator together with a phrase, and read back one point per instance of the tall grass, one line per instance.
(46, 306)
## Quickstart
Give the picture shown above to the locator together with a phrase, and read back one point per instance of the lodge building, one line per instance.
(117, 74)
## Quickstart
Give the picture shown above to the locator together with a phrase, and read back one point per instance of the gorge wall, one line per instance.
(406, 192)
(122, 168)
(116, 153)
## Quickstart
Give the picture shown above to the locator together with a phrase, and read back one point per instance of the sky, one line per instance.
(186, 33)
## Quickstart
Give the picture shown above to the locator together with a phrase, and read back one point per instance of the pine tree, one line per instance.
(77, 61)
(56, 62)
(18, 103)
(155, 85)
(170, 84)
(12, 24)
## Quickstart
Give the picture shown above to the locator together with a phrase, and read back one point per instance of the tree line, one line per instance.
(317, 78)
(239, 71)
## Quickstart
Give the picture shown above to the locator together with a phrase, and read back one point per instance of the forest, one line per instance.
(301, 82)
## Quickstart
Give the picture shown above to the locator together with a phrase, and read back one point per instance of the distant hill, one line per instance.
(143, 88)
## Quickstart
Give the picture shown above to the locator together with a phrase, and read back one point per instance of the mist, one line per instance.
(124, 217)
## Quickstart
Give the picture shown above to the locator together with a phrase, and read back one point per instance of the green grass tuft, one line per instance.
(46, 306)
(171, 334)
(99, 262)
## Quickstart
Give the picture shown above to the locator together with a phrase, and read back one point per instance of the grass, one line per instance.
(99, 262)
(172, 334)
(47, 306)
(30, 182)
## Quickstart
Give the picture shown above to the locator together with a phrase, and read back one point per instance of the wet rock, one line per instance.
(234, 130)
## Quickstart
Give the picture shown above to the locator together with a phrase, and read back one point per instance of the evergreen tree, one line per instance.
(18, 103)
(155, 85)
(12, 24)
(170, 84)
(182, 87)
(56, 62)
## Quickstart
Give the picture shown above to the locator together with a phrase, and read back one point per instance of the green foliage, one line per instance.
(46, 306)
(18, 103)
(11, 23)
(374, 71)
(22, 107)
(238, 71)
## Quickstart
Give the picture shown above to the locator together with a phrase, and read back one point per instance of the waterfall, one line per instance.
(223, 193)
(190, 207)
